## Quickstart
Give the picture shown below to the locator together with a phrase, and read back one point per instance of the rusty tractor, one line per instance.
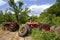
(10, 26)
(25, 29)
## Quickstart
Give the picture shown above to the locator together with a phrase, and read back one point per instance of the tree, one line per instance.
(55, 8)
(52, 14)
(24, 16)
(34, 18)
(57, 1)
(46, 18)
(16, 8)
(1, 16)
(7, 16)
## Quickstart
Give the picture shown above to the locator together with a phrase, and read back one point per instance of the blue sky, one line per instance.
(37, 6)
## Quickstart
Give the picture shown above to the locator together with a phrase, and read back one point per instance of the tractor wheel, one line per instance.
(23, 31)
(29, 28)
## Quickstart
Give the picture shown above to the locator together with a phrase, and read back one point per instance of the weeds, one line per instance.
(44, 35)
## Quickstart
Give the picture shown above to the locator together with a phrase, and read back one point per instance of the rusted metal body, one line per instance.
(10, 26)
(46, 27)
(33, 24)
(27, 28)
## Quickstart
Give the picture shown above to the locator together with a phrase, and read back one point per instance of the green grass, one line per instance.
(0, 26)
(43, 35)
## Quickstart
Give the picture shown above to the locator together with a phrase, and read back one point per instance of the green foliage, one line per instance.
(1, 16)
(44, 35)
(8, 17)
(1, 26)
(54, 9)
(16, 8)
(24, 16)
(51, 15)
(57, 1)
(56, 21)
(20, 14)
(33, 18)
(44, 18)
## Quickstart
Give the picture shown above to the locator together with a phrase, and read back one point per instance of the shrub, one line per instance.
(44, 35)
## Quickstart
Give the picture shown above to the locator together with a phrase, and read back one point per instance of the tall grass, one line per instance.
(44, 35)
(1, 26)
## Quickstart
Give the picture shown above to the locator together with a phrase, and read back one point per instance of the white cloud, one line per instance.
(32, 0)
(16, 1)
(10, 11)
(36, 9)
(2, 2)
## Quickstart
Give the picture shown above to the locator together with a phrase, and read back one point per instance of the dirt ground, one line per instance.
(6, 35)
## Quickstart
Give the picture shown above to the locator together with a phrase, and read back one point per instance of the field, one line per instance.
(7, 35)
(36, 35)
(43, 35)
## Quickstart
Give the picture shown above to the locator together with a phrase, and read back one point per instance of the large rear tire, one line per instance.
(24, 31)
